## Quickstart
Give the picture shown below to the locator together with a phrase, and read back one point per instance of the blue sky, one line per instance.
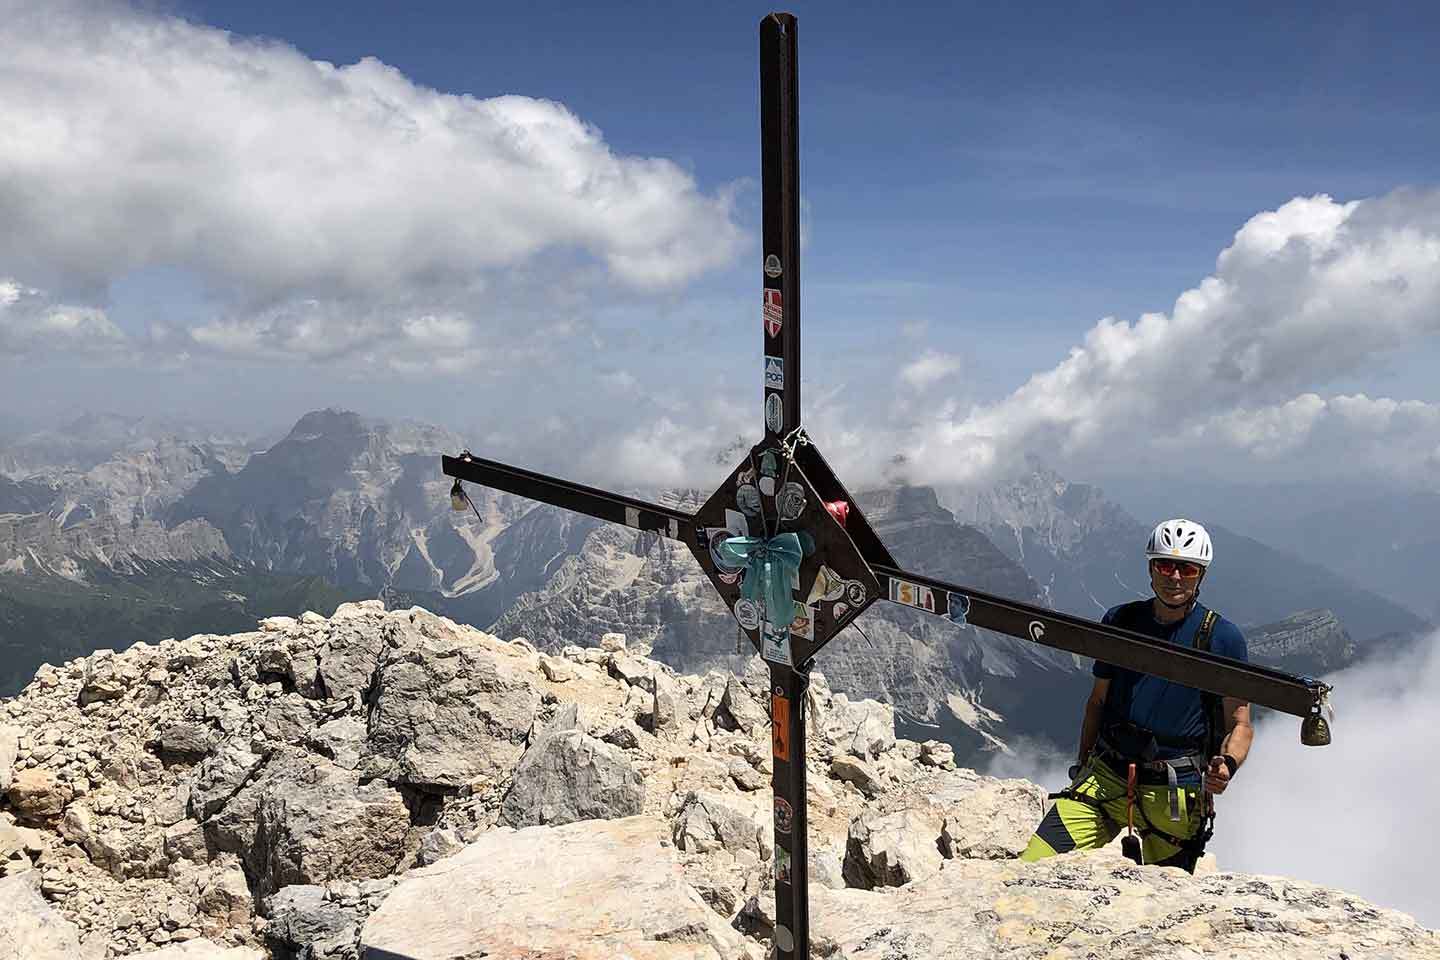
(979, 181)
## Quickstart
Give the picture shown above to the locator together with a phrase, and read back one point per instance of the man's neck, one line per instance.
(1164, 614)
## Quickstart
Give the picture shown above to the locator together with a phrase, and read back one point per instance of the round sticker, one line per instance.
(855, 590)
(719, 535)
(840, 610)
(784, 939)
(772, 266)
(748, 613)
(790, 501)
(747, 498)
(784, 815)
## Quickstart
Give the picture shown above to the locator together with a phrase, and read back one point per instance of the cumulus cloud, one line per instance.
(303, 189)
(1306, 293)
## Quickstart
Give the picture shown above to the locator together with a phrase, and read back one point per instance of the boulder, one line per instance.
(567, 775)
(739, 710)
(30, 929)
(891, 850)
(220, 777)
(710, 821)
(986, 818)
(107, 677)
(537, 893)
(36, 795)
(446, 712)
(304, 921)
(317, 822)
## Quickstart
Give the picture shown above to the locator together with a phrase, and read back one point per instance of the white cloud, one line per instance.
(1306, 293)
(31, 322)
(931, 366)
(302, 190)
(1349, 815)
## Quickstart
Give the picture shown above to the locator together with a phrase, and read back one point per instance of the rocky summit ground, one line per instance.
(395, 785)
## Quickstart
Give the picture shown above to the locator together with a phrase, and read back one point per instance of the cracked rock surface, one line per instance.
(398, 781)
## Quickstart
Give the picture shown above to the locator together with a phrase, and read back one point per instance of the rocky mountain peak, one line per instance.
(899, 508)
(395, 783)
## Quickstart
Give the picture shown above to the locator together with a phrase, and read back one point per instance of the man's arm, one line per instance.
(1238, 736)
(1094, 712)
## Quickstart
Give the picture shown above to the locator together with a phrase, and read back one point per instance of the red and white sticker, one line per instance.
(774, 313)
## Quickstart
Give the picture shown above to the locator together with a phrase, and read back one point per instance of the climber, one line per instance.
(1154, 754)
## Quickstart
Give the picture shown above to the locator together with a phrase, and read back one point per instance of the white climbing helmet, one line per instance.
(1180, 539)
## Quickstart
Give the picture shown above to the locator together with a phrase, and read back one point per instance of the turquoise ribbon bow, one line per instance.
(771, 565)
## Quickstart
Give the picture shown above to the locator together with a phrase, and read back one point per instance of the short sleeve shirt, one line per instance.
(1165, 708)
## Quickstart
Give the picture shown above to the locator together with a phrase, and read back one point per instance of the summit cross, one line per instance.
(796, 562)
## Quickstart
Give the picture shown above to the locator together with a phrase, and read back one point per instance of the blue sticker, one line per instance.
(775, 373)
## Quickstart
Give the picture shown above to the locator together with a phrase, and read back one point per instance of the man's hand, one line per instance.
(1217, 778)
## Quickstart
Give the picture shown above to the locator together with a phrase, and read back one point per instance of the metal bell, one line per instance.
(1315, 731)
(457, 497)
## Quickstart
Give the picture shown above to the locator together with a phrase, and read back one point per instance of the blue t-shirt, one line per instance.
(1165, 708)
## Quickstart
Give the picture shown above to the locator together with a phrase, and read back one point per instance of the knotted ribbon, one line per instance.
(771, 565)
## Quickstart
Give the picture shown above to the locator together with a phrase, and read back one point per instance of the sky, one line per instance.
(1193, 245)
(1114, 236)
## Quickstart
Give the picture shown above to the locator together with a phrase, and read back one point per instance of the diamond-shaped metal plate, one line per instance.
(767, 495)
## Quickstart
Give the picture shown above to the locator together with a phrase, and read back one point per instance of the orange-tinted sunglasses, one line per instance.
(1168, 568)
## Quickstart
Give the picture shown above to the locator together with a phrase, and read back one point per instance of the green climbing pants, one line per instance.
(1091, 823)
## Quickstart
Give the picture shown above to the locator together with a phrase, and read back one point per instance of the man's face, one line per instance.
(1174, 581)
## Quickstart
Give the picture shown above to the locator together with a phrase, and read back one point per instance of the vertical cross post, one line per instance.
(780, 187)
(780, 184)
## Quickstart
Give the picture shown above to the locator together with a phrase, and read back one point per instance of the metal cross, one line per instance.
(796, 562)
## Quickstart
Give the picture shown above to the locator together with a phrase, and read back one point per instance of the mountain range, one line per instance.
(161, 533)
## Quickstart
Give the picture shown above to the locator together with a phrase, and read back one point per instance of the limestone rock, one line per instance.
(857, 772)
(891, 850)
(37, 795)
(342, 740)
(30, 929)
(866, 728)
(446, 711)
(304, 920)
(1083, 905)
(220, 777)
(984, 817)
(318, 823)
(738, 710)
(186, 742)
(9, 748)
(201, 950)
(536, 893)
(567, 776)
(107, 677)
(711, 821)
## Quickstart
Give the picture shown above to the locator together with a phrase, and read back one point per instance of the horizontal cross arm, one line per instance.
(1202, 670)
(601, 504)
